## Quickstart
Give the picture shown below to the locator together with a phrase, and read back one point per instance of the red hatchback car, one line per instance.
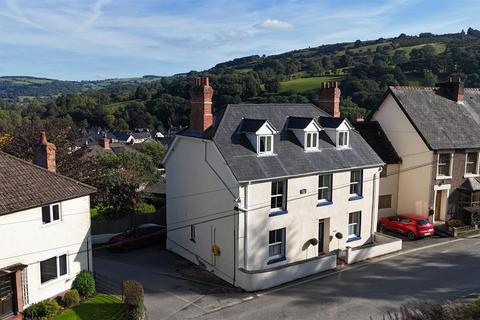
(411, 225)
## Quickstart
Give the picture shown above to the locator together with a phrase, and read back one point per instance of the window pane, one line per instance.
(46, 214)
(56, 212)
(262, 144)
(309, 140)
(271, 236)
(48, 269)
(62, 262)
(444, 164)
(354, 222)
(314, 140)
(341, 141)
(269, 144)
(472, 159)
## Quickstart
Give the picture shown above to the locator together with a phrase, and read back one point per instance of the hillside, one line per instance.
(21, 88)
(364, 69)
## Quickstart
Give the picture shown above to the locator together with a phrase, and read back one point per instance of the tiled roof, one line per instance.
(373, 133)
(24, 185)
(441, 122)
(291, 158)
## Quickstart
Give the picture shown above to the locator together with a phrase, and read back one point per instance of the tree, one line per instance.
(273, 85)
(429, 78)
(155, 150)
(118, 178)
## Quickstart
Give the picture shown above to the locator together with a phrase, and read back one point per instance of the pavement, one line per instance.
(432, 269)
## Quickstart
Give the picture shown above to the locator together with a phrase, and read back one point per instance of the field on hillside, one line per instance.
(304, 84)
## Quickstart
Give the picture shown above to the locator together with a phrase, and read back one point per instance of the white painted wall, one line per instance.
(301, 221)
(25, 239)
(389, 186)
(415, 179)
(196, 195)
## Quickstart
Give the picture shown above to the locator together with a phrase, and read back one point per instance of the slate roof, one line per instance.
(472, 184)
(441, 122)
(329, 122)
(251, 125)
(373, 133)
(141, 135)
(298, 122)
(290, 158)
(24, 186)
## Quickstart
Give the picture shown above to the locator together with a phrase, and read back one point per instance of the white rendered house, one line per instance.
(44, 230)
(263, 194)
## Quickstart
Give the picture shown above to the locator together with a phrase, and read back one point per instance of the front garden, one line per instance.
(82, 302)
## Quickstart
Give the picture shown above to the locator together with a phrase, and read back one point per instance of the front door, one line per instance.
(6, 296)
(321, 236)
(438, 205)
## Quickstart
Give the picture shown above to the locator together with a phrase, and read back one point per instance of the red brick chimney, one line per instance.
(201, 94)
(44, 155)
(104, 142)
(454, 88)
(329, 98)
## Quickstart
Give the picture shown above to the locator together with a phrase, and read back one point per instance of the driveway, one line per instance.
(172, 285)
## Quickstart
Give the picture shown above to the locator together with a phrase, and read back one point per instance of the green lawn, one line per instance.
(101, 307)
(303, 84)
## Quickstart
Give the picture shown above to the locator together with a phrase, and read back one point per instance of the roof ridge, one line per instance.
(49, 172)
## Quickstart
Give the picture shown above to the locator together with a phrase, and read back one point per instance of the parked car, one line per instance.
(138, 237)
(411, 225)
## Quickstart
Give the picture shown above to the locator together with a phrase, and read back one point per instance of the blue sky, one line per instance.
(98, 39)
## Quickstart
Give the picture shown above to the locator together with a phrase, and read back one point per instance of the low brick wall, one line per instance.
(382, 244)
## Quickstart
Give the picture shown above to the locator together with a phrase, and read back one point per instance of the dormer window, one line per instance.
(342, 139)
(307, 131)
(338, 130)
(260, 133)
(265, 144)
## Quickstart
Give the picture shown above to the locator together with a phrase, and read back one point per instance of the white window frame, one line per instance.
(354, 225)
(281, 243)
(50, 208)
(283, 195)
(266, 136)
(347, 139)
(314, 137)
(450, 166)
(58, 277)
(329, 187)
(477, 168)
(358, 183)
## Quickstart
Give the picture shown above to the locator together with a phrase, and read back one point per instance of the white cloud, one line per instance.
(272, 24)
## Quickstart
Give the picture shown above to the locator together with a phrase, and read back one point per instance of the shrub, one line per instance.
(84, 283)
(42, 310)
(133, 293)
(136, 313)
(71, 298)
(144, 208)
(454, 223)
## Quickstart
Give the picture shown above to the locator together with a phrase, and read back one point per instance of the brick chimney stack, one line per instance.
(454, 88)
(201, 94)
(329, 98)
(104, 142)
(44, 155)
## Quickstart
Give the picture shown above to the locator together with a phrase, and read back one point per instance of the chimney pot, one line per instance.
(201, 117)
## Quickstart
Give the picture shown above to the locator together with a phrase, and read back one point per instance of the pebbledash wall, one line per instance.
(207, 202)
(24, 239)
